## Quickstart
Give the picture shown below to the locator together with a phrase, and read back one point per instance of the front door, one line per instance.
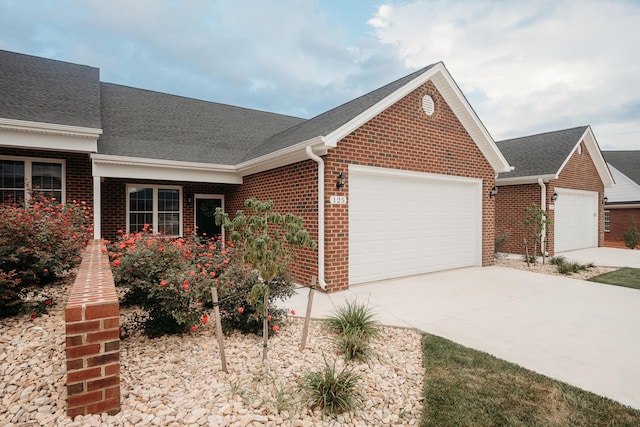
(205, 220)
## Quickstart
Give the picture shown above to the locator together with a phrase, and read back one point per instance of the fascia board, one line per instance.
(105, 165)
(286, 156)
(49, 128)
(520, 180)
(623, 205)
(596, 155)
(50, 141)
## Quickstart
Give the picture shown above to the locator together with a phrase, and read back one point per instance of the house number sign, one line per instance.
(338, 200)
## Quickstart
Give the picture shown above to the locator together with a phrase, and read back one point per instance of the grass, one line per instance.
(465, 387)
(627, 277)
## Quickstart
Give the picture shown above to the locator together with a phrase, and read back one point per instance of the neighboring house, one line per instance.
(418, 162)
(562, 172)
(623, 200)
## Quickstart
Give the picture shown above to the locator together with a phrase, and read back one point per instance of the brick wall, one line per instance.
(402, 137)
(78, 180)
(93, 338)
(620, 223)
(578, 174)
(293, 189)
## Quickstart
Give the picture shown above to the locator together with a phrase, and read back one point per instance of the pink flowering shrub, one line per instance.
(170, 278)
(39, 242)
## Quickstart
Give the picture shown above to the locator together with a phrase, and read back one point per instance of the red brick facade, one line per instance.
(579, 173)
(620, 221)
(401, 137)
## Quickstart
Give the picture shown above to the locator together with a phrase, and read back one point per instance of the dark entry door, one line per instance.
(205, 219)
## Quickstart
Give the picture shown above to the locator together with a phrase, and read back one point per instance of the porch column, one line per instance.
(96, 208)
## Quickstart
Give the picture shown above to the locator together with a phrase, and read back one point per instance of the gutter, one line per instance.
(320, 163)
(543, 206)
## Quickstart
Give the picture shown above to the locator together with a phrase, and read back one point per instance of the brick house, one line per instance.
(623, 200)
(565, 174)
(418, 165)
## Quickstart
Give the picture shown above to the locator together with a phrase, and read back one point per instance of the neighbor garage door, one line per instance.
(576, 220)
(404, 223)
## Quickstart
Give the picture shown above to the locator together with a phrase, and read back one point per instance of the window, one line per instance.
(607, 220)
(159, 207)
(18, 175)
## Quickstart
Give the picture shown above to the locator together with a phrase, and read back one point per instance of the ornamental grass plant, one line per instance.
(334, 391)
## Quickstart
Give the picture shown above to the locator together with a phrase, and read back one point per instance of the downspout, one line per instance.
(543, 206)
(320, 163)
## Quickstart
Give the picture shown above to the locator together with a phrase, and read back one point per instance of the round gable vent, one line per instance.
(427, 105)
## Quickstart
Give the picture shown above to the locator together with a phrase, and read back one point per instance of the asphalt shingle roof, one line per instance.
(627, 162)
(541, 154)
(147, 124)
(49, 91)
(325, 123)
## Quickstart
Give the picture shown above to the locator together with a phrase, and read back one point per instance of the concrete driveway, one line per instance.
(583, 333)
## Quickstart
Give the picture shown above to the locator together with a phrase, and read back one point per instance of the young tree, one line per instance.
(535, 222)
(267, 241)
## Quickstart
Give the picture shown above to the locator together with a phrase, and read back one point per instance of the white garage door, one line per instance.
(404, 223)
(576, 220)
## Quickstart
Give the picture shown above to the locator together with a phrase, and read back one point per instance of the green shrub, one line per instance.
(632, 236)
(238, 311)
(10, 300)
(333, 391)
(39, 243)
(568, 267)
(351, 316)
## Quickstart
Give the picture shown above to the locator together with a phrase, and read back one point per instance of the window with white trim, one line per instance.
(159, 207)
(18, 175)
(607, 220)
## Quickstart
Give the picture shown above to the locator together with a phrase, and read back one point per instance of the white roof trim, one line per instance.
(49, 128)
(105, 165)
(519, 180)
(447, 87)
(283, 157)
(596, 155)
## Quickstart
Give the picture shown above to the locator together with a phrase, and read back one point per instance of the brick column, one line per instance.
(93, 338)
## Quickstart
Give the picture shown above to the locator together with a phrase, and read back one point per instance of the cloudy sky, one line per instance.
(525, 66)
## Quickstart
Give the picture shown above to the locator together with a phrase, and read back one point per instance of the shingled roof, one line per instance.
(539, 155)
(48, 91)
(153, 125)
(627, 162)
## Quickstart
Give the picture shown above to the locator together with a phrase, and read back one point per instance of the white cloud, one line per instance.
(528, 66)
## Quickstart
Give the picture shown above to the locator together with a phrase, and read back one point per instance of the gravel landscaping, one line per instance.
(177, 380)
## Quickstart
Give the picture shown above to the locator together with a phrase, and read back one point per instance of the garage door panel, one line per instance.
(402, 225)
(576, 220)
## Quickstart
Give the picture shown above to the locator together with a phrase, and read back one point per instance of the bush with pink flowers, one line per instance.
(171, 279)
(39, 242)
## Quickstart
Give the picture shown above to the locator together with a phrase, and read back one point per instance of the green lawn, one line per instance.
(627, 277)
(465, 387)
